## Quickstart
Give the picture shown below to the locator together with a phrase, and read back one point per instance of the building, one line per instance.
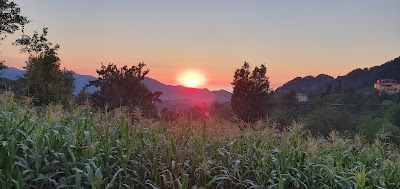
(301, 97)
(390, 86)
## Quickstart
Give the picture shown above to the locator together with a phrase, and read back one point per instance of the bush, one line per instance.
(372, 128)
(393, 115)
(326, 119)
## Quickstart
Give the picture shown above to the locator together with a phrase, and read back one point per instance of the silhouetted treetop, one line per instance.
(251, 93)
(44, 78)
(37, 44)
(124, 87)
(11, 19)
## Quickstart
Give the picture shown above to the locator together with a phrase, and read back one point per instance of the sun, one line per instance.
(191, 79)
(191, 82)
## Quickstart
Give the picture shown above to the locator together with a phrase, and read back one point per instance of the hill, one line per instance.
(305, 85)
(170, 92)
(11, 73)
(362, 80)
(80, 80)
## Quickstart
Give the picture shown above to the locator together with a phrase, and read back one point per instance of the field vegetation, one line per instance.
(79, 147)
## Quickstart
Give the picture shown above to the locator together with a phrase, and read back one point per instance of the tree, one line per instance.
(370, 127)
(2, 65)
(325, 119)
(124, 87)
(43, 76)
(393, 115)
(289, 99)
(11, 19)
(251, 93)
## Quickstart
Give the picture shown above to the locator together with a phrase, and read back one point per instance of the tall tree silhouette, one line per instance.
(43, 76)
(124, 87)
(251, 93)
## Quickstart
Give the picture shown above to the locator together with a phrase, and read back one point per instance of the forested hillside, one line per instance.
(305, 85)
(362, 80)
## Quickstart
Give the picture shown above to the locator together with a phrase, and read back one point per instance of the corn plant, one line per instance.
(79, 147)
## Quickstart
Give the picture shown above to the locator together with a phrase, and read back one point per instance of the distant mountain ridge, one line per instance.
(80, 80)
(362, 80)
(170, 92)
(11, 73)
(305, 85)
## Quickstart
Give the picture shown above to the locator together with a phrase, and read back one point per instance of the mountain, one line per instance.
(11, 73)
(305, 85)
(81, 81)
(180, 97)
(362, 80)
(170, 92)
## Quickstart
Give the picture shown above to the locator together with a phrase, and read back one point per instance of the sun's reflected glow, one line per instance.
(191, 79)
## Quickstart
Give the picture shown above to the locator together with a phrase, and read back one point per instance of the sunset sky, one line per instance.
(214, 37)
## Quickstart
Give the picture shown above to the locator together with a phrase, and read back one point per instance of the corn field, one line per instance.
(55, 147)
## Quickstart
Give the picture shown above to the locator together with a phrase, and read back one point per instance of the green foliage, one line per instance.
(375, 114)
(5, 83)
(11, 18)
(83, 148)
(289, 99)
(393, 115)
(83, 95)
(44, 78)
(282, 116)
(373, 127)
(251, 93)
(124, 87)
(326, 119)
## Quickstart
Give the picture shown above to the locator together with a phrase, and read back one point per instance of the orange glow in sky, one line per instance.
(191, 79)
(293, 39)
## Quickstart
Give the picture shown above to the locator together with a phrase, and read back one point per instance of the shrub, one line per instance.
(326, 119)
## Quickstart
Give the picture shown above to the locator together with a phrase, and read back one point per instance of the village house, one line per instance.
(390, 86)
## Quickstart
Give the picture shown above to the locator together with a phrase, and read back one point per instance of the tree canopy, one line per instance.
(251, 93)
(44, 77)
(11, 19)
(124, 87)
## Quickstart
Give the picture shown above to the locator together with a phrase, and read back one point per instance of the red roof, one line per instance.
(388, 81)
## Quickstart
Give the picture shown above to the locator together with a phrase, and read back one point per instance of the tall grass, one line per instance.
(81, 148)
